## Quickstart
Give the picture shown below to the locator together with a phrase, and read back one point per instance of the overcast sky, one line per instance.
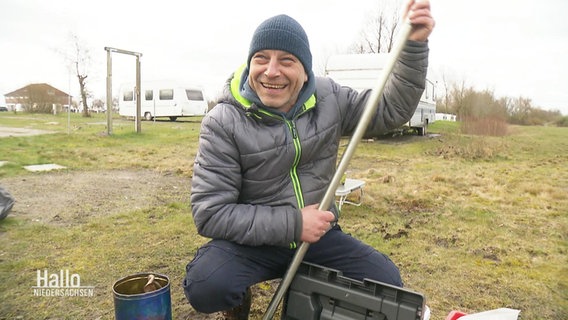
(514, 48)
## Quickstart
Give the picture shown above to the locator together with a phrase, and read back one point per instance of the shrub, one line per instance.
(487, 126)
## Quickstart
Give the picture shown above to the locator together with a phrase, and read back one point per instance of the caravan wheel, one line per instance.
(148, 116)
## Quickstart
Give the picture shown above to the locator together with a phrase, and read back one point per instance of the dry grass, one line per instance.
(481, 226)
(486, 126)
(474, 222)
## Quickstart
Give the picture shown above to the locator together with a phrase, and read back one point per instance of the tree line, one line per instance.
(468, 103)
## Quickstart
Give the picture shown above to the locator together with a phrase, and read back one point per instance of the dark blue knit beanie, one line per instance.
(282, 33)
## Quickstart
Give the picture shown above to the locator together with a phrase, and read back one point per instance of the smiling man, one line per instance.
(280, 64)
(267, 153)
(277, 77)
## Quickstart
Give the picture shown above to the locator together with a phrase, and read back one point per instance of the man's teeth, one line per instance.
(273, 86)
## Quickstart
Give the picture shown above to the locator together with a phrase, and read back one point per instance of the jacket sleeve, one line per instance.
(401, 93)
(216, 181)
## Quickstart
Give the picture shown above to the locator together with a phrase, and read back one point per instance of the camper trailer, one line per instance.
(162, 99)
(362, 71)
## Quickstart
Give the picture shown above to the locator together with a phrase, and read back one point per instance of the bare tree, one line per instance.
(81, 62)
(443, 105)
(458, 96)
(377, 36)
(520, 110)
(391, 30)
(77, 56)
(38, 100)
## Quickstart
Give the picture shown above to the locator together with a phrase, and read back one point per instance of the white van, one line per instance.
(361, 71)
(162, 99)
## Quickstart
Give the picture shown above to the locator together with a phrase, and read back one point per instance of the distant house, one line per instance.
(37, 97)
(445, 116)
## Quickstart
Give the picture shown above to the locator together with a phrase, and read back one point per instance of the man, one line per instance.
(267, 153)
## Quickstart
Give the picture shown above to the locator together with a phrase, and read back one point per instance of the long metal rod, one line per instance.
(329, 196)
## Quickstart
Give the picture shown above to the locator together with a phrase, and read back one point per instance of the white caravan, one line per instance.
(362, 71)
(162, 99)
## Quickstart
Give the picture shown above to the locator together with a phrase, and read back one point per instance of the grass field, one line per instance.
(474, 223)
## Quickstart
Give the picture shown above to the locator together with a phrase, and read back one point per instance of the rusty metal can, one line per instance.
(133, 300)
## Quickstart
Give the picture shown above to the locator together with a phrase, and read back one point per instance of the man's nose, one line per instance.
(273, 68)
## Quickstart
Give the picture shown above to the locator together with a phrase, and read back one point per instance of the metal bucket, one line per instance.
(133, 302)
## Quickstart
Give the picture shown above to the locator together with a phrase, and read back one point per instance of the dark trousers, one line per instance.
(221, 271)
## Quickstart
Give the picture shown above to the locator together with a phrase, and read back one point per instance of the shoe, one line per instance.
(240, 312)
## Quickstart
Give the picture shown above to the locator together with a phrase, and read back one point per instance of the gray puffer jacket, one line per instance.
(255, 170)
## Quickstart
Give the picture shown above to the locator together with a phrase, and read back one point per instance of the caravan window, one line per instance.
(149, 95)
(166, 94)
(194, 95)
(128, 96)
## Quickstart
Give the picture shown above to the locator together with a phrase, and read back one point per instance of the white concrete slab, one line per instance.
(43, 167)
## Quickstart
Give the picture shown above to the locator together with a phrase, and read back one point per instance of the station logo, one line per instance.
(60, 284)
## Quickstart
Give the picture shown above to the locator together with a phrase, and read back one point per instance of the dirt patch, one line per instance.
(20, 132)
(69, 198)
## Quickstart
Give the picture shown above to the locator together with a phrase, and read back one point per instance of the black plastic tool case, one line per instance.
(318, 293)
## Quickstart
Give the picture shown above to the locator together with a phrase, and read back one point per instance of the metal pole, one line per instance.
(109, 93)
(329, 196)
(138, 102)
(69, 103)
